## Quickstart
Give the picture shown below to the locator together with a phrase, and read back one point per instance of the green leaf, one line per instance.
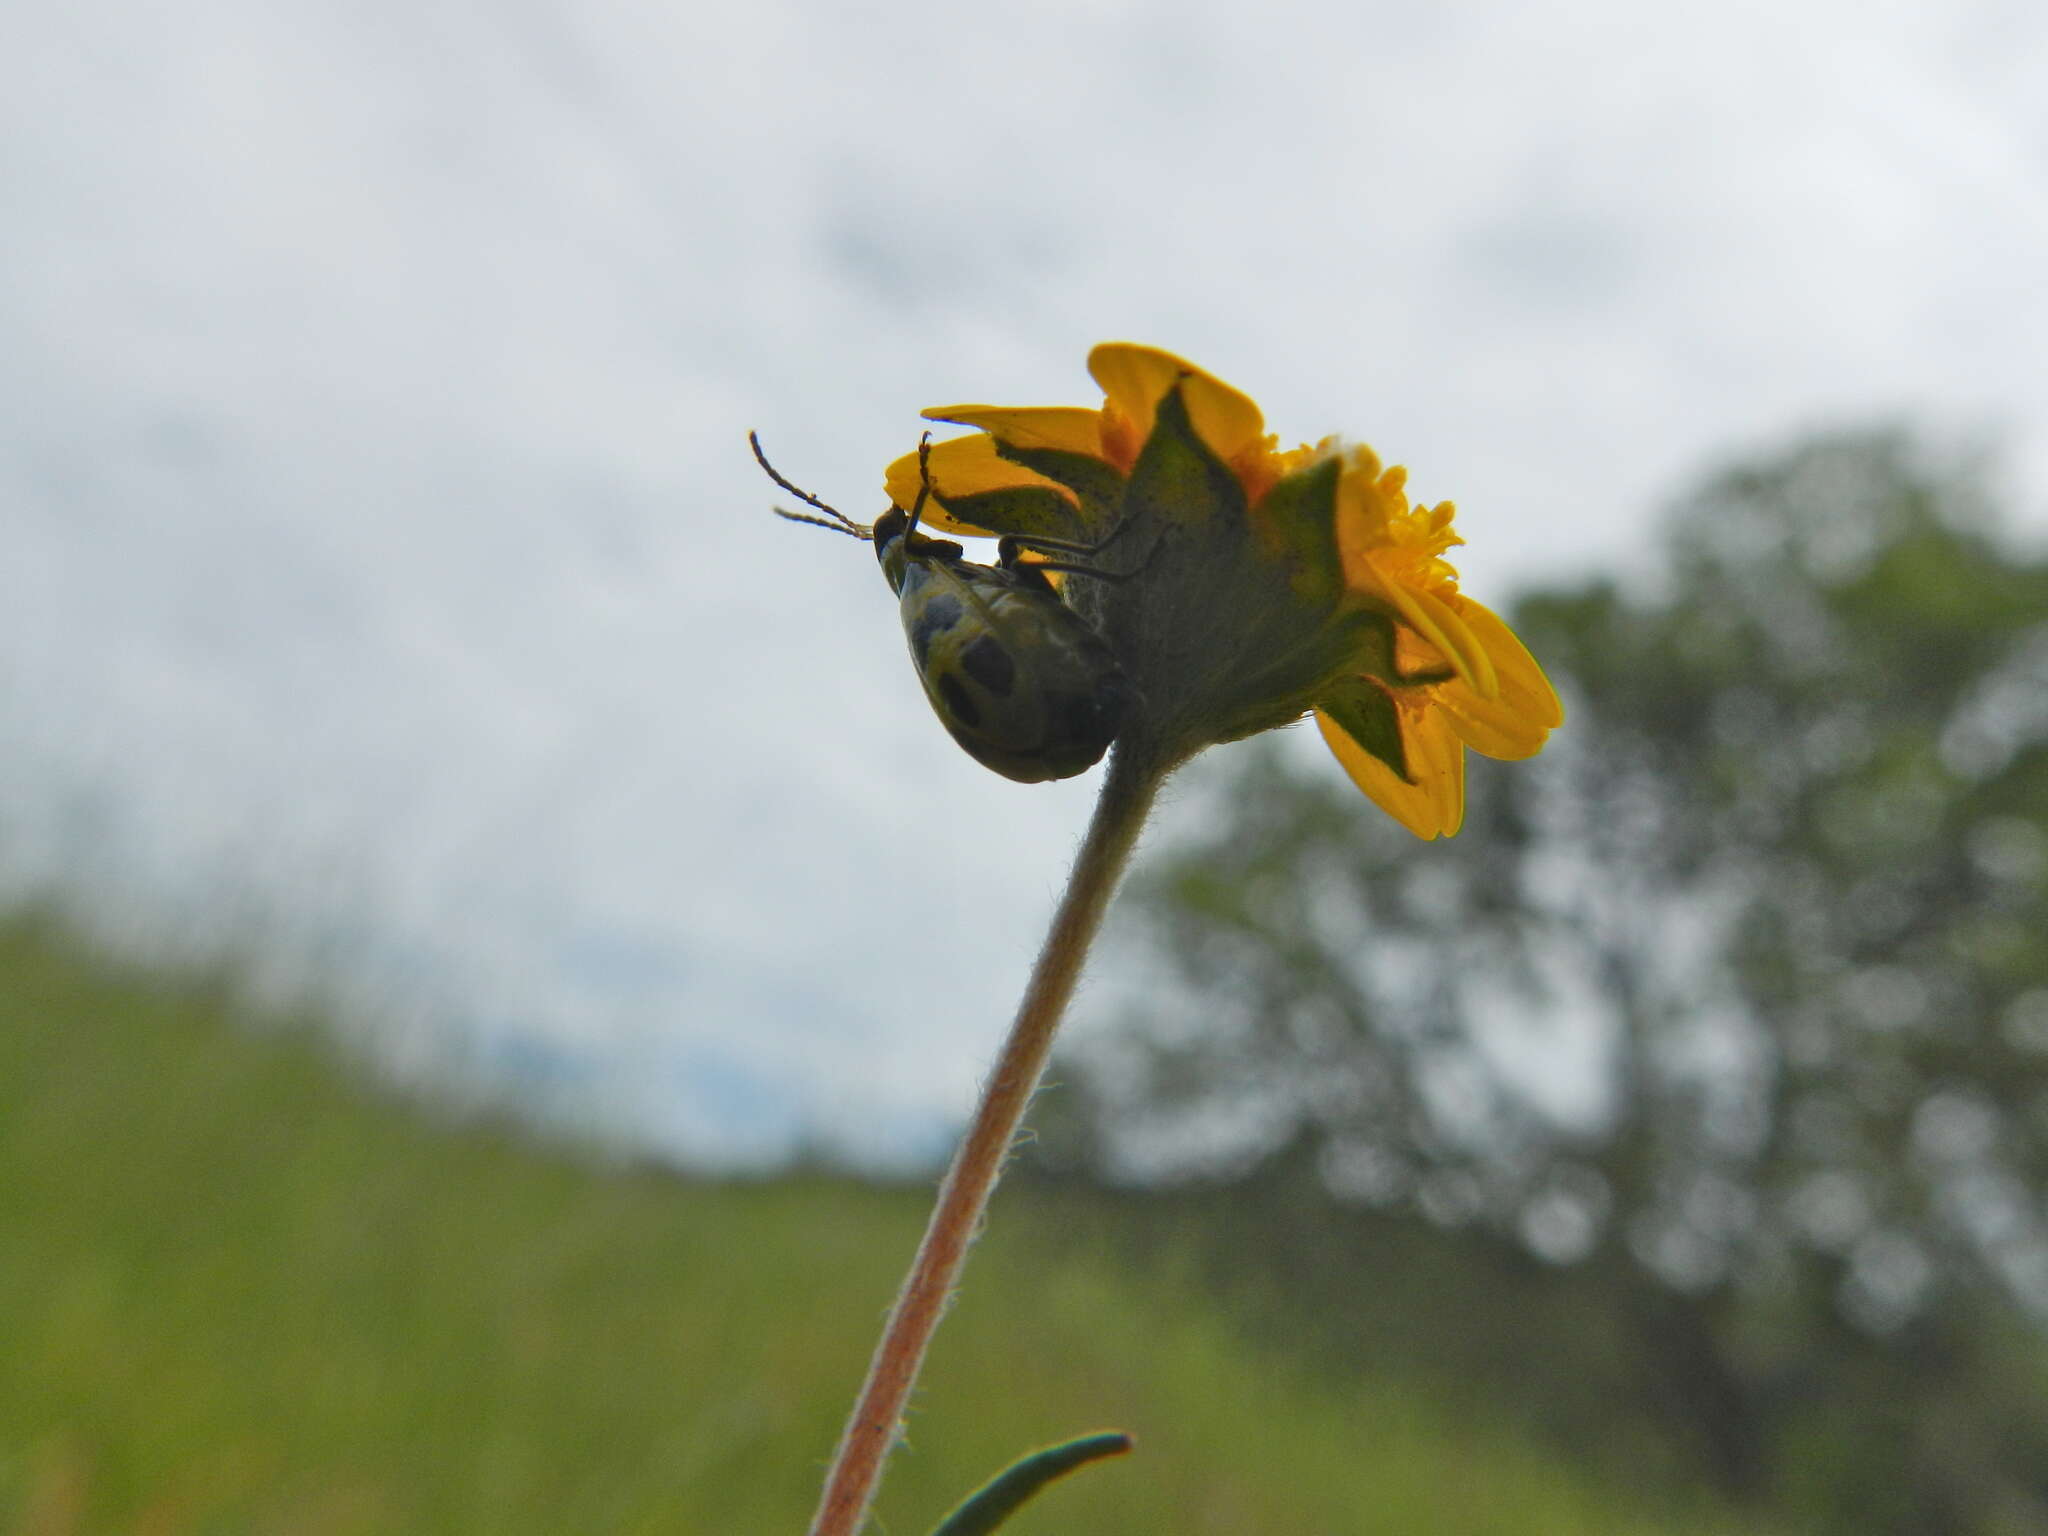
(1301, 511)
(1365, 712)
(1008, 1491)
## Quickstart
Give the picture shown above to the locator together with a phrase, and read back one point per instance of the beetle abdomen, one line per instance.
(1016, 676)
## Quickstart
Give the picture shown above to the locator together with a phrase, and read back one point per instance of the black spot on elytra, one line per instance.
(958, 702)
(990, 665)
(1083, 717)
(935, 618)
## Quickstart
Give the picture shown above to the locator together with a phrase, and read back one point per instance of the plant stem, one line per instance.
(1128, 789)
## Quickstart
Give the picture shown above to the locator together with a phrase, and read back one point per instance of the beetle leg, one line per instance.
(1037, 541)
(1007, 550)
(924, 489)
(1084, 570)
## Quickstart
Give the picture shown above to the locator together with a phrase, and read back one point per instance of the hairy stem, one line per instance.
(1128, 789)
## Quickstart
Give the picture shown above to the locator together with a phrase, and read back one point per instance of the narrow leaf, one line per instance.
(1003, 1496)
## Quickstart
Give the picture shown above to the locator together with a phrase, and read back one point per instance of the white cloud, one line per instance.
(380, 537)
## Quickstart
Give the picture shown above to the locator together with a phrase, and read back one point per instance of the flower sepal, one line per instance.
(1365, 712)
(1236, 615)
(1298, 521)
(1097, 487)
(1025, 511)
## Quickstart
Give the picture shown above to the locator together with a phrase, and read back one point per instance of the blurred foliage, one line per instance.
(238, 1293)
(1696, 1096)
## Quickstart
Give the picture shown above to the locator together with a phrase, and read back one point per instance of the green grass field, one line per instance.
(240, 1291)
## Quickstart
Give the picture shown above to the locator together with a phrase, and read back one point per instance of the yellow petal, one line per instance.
(1416, 657)
(1446, 629)
(1067, 428)
(961, 466)
(1431, 618)
(1523, 687)
(1365, 512)
(1515, 722)
(1433, 805)
(1519, 673)
(1137, 378)
(1296, 459)
(1492, 726)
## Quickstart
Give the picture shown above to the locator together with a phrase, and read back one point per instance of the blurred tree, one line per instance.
(1731, 1010)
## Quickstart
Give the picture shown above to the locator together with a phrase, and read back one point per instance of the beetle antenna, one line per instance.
(839, 522)
(854, 532)
(924, 489)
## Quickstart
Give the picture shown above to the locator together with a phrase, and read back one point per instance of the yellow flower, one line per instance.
(1255, 584)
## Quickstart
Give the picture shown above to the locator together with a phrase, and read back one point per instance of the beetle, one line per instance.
(1017, 677)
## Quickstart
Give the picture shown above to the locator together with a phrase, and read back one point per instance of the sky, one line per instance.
(388, 598)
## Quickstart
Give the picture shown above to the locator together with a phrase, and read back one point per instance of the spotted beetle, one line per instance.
(1016, 676)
